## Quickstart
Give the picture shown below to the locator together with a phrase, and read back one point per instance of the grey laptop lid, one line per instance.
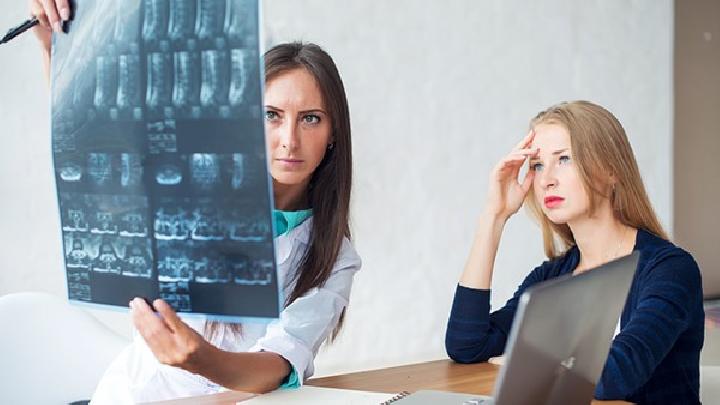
(561, 336)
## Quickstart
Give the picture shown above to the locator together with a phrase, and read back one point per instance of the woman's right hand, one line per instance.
(51, 14)
(506, 194)
(505, 197)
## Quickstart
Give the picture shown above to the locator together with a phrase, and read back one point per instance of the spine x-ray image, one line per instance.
(159, 156)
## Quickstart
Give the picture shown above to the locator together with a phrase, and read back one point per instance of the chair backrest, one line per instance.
(51, 351)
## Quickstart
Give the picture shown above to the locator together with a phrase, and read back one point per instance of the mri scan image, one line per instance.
(159, 157)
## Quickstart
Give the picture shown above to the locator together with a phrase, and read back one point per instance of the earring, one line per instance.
(331, 146)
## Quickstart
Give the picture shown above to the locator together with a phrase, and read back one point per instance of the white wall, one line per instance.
(438, 92)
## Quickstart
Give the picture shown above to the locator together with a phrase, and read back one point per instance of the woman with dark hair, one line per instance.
(309, 148)
(308, 135)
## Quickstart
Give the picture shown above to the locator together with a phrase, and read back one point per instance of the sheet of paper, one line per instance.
(498, 361)
(159, 155)
(318, 396)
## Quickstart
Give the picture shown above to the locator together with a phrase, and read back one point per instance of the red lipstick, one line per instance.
(553, 201)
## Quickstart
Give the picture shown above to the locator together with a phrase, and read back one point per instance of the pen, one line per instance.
(19, 29)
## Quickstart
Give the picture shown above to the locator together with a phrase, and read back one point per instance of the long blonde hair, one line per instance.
(608, 169)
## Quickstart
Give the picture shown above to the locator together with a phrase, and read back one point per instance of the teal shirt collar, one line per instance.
(286, 221)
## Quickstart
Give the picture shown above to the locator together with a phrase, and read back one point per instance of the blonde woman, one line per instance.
(584, 187)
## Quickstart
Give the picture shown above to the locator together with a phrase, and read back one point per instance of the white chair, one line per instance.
(50, 351)
(710, 385)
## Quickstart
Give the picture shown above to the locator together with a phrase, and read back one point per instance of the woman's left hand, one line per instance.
(170, 339)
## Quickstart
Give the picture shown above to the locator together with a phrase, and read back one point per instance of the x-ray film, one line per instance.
(159, 156)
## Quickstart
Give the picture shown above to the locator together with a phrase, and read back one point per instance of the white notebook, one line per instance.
(319, 396)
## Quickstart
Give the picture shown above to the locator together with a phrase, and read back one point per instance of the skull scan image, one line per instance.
(77, 257)
(207, 225)
(100, 168)
(104, 223)
(255, 272)
(171, 224)
(175, 266)
(107, 260)
(211, 268)
(75, 220)
(71, 172)
(241, 270)
(259, 229)
(176, 294)
(249, 229)
(137, 261)
(262, 272)
(218, 269)
(133, 224)
(168, 175)
(205, 170)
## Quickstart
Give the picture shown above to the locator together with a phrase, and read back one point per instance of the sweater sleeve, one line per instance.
(663, 312)
(473, 333)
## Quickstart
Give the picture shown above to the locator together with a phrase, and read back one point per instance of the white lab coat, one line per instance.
(136, 375)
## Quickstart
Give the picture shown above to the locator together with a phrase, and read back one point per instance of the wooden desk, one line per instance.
(444, 375)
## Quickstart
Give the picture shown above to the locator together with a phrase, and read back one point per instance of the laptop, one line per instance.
(558, 343)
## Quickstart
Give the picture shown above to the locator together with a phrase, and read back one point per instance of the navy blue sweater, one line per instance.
(655, 358)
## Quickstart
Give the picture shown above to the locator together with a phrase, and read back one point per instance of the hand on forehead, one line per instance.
(550, 138)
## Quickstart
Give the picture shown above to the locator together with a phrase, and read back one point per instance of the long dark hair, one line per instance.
(329, 188)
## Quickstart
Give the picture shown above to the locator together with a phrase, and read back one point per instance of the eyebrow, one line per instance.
(315, 110)
(557, 152)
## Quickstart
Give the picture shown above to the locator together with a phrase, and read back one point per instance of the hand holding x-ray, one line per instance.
(51, 14)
